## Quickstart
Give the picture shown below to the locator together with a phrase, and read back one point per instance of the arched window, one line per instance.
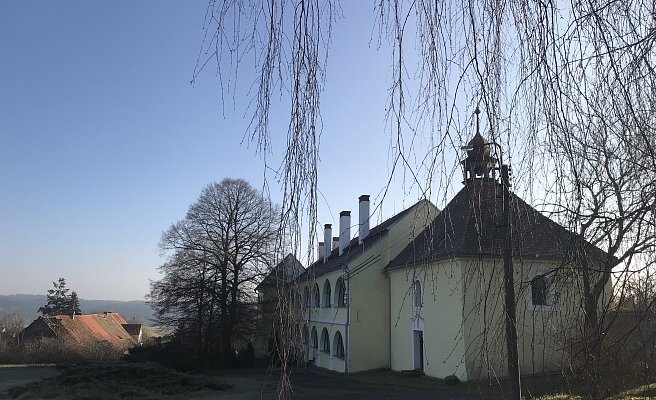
(338, 345)
(315, 340)
(316, 297)
(539, 290)
(417, 299)
(326, 294)
(325, 341)
(306, 336)
(340, 293)
(292, 298)
(306, 297)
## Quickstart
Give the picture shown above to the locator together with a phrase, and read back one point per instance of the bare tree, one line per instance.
(13, 324)
(218, 253)
(569, 84)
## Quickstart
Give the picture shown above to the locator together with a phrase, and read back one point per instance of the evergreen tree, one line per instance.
(74, 304)
(59, 302)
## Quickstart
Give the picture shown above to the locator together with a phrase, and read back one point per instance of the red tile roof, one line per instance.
(89, 329)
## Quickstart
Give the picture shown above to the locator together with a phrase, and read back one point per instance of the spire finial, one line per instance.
(477, 111)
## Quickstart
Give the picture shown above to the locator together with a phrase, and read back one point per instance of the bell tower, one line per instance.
(479, 164)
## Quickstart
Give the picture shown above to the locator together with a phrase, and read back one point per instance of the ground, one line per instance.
(16, 375)
(150, 381)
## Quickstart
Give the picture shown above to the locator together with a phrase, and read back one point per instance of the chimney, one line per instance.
(327, 235)
(321, 252)
(344, 230)
(335, 242)
(364, 217)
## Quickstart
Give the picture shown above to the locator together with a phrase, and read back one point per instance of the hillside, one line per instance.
(27, 306)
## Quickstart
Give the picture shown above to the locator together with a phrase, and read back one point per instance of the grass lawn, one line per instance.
(122, 380)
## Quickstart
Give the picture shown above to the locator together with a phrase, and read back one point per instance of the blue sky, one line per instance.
(104, 143)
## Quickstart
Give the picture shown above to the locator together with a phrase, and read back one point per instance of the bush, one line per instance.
(53, 351)
(246, 356)
(626, 357)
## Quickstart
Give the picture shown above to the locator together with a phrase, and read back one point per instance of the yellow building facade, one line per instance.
(447, 289)
(344, 296)
(424, 290)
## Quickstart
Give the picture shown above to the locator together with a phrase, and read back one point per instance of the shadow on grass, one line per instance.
(115, 381)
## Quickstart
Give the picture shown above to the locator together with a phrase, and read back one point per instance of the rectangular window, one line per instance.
(541, 292)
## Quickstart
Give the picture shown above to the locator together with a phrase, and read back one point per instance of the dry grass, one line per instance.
(114, 381)
(48, 351)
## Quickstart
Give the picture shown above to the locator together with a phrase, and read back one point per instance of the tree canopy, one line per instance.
(59, 302)
(215, 256)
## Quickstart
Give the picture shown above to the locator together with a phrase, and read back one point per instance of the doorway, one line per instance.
(418, 341)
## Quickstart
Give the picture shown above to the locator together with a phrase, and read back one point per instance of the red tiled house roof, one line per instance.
(83, 329)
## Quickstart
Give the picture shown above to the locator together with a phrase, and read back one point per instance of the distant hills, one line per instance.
(27, 305)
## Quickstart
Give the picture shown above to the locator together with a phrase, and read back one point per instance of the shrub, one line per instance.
(246, 356)
(53, 351)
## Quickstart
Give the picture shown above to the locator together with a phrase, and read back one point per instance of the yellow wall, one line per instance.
(543, 332)
(369, 333)
(440, 318)
(365, 324)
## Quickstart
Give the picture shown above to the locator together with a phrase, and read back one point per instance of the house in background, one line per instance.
(343, 297)
(135, 331)
(83, 330)
(268, 293)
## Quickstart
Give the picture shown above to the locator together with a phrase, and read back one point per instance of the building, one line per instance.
(424, 290)
(448, 284)
(280, 276)
(135, 331)
(344, 296)
(85, 330)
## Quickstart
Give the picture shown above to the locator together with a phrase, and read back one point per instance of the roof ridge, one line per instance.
(376, 233)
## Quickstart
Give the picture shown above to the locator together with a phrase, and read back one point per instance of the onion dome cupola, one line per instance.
(479, 164)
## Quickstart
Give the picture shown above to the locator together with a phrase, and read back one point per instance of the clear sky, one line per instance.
(104, 143)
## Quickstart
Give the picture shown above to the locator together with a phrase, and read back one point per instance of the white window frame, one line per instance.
(416, 306)
(551, 291)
